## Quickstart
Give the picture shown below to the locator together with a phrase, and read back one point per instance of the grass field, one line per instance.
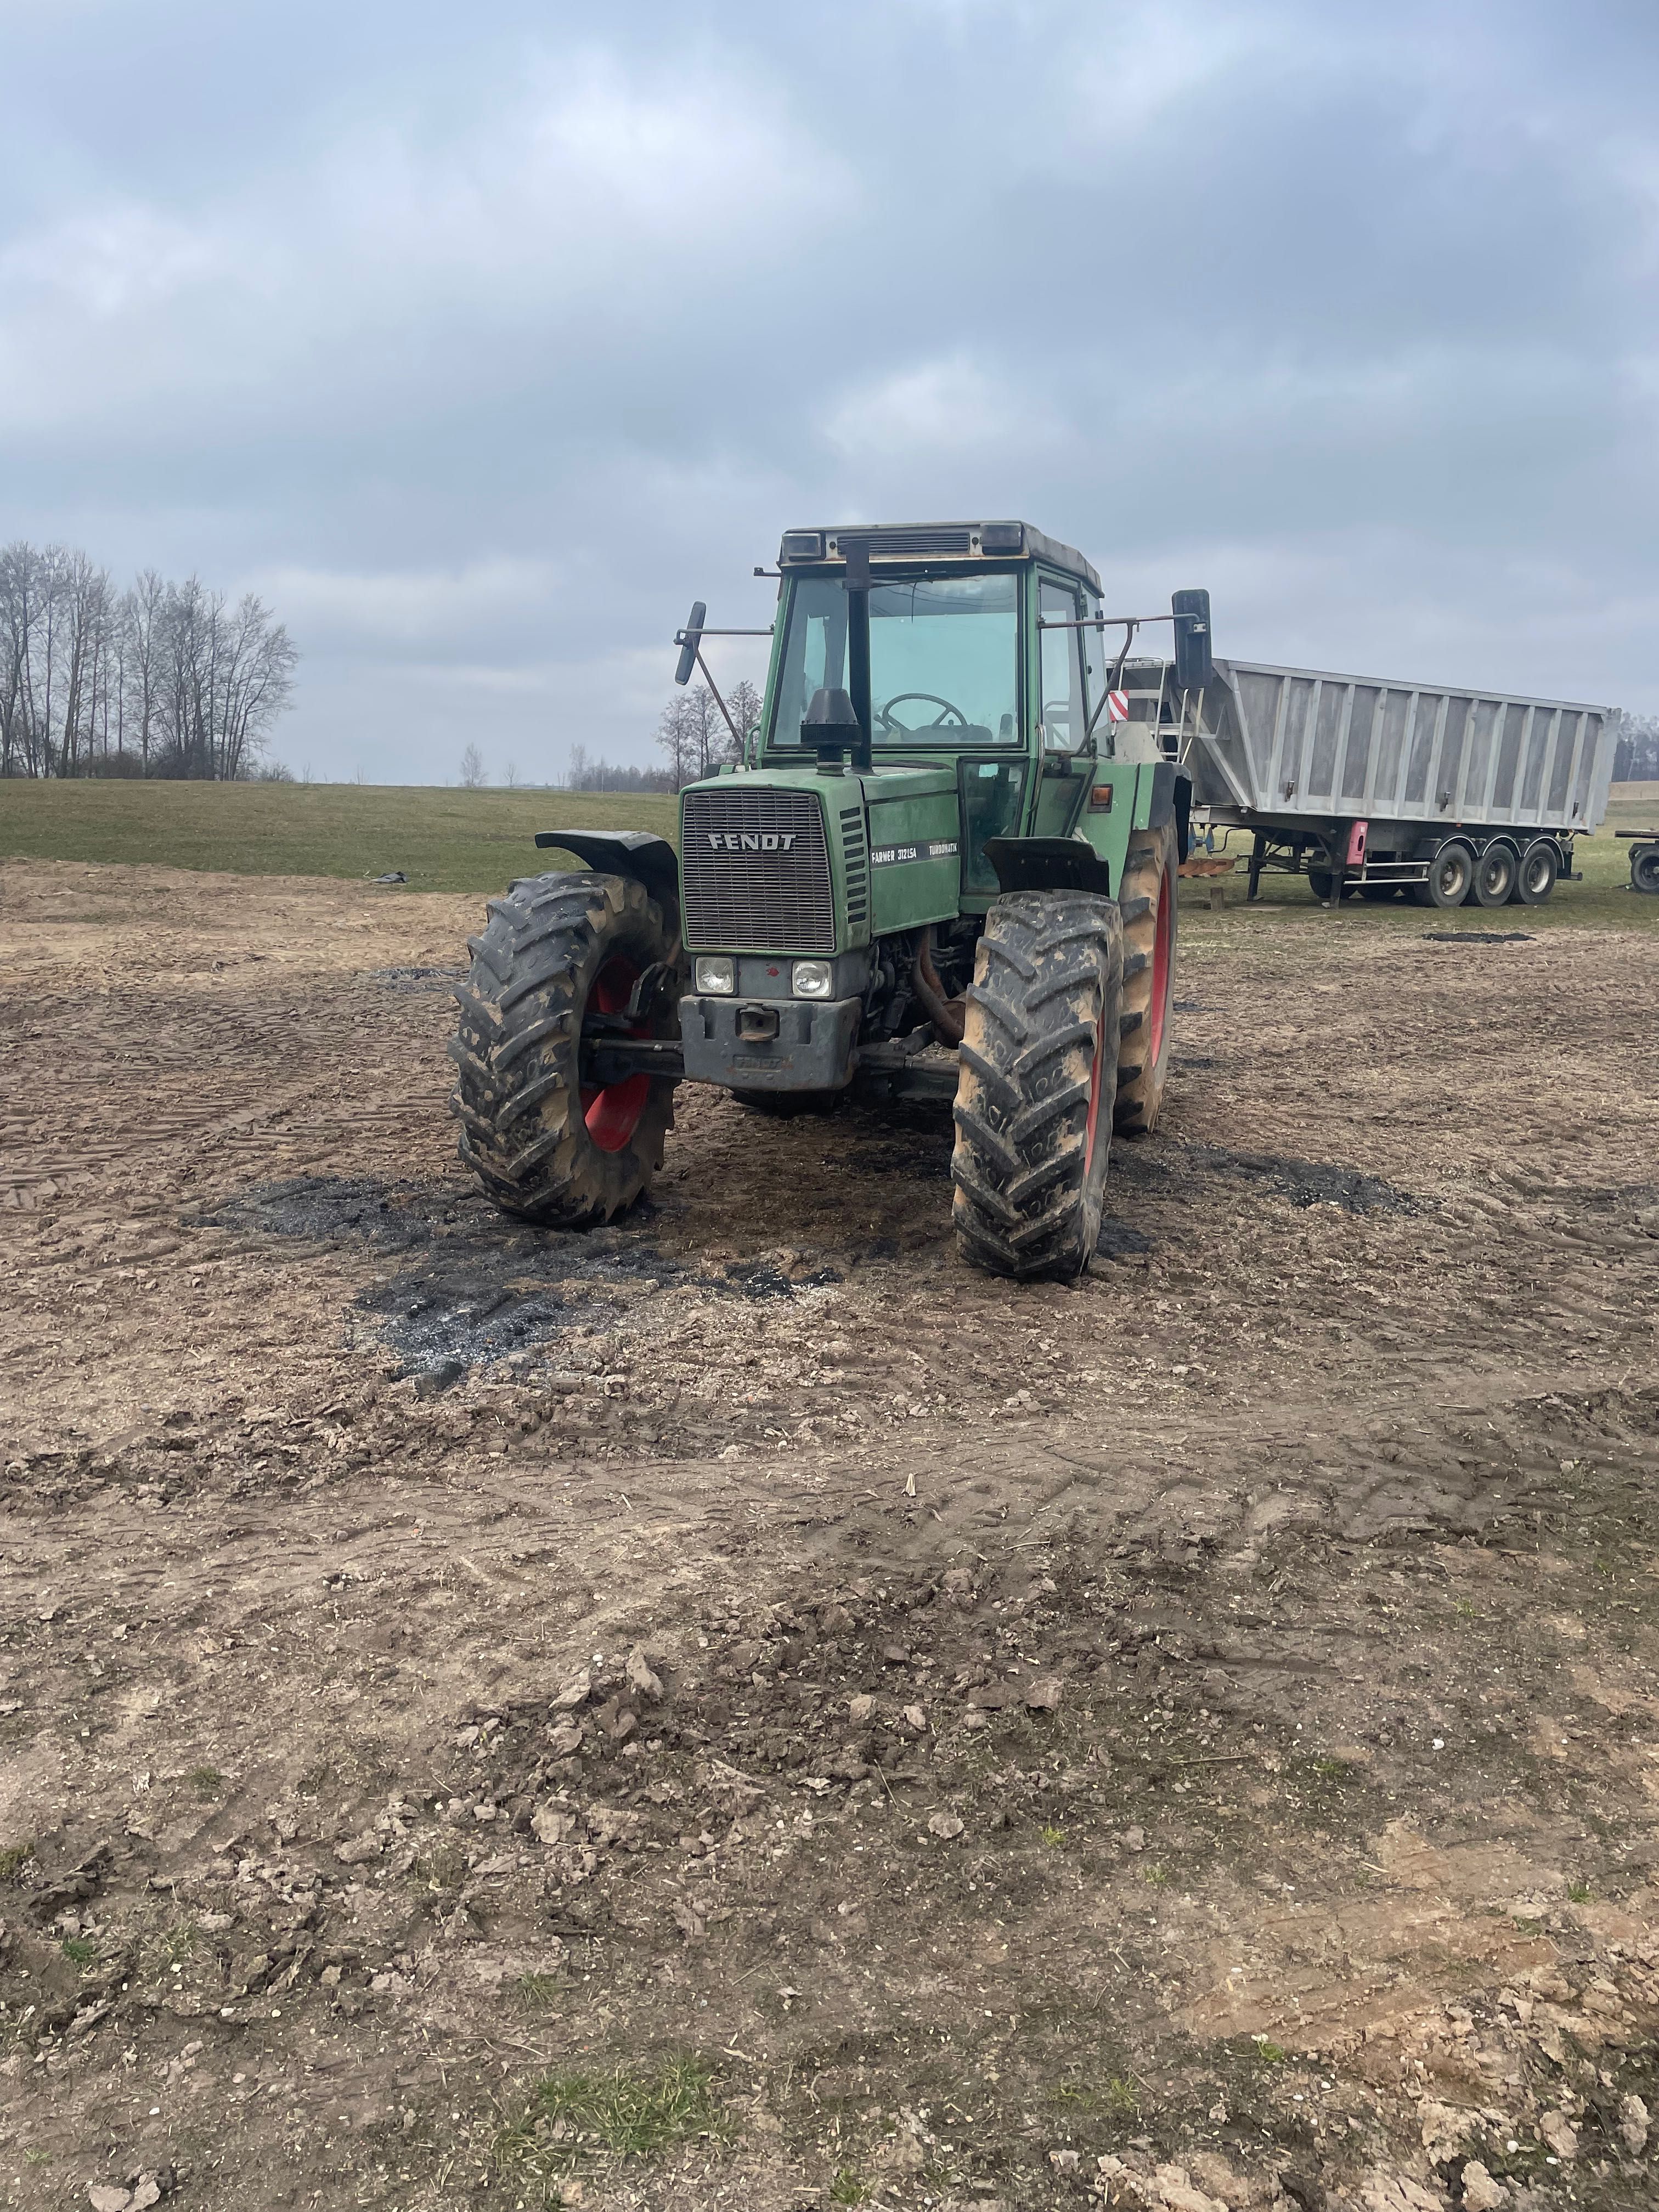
(478, 841)
(443, 841)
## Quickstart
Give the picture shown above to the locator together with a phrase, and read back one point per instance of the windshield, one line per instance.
(944, 658)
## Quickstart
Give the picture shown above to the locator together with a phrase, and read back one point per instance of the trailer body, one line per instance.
(1366, 781)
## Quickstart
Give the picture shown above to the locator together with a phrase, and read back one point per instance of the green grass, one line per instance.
(13, 1859)
(79, 1950)
(572, 2118)
(205, 1781)
(478, 841)
(443, 841)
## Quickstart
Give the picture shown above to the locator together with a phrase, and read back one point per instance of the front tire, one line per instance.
(1148, 900)
(544, 1145)
(1645, 868)
(1039, 1070)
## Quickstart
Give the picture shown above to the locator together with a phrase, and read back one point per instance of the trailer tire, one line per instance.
(1535, 877)
(545, 1147)
(1645, 868)
(1495, 875)
(1150, 907)
(1450, 877)
(1039, 1072)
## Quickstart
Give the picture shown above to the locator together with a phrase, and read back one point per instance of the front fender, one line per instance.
(1048, 863)
(650, 860)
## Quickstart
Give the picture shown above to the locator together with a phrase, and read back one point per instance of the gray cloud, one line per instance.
(482, 351)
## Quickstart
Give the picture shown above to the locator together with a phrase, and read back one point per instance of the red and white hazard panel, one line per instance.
(1117, 706)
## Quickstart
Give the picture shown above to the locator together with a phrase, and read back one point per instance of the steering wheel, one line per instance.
(884, 714)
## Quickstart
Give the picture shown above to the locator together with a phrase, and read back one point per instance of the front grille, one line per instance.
(755, 894)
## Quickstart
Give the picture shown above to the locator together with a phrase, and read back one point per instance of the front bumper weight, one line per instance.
(769, 1044)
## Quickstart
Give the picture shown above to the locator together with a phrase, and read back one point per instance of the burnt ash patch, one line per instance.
(391, 1216)
(442, 980)
(482, 1288)
(1118, 1241)
(1305, 1183)
(1477, 937)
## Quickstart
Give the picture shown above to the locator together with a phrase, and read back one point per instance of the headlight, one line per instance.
(811, 979)
(716, 972)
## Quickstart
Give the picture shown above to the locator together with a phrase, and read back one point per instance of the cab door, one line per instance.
(1063, 706)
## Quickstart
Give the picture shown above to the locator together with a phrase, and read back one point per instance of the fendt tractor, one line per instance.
(939, 867)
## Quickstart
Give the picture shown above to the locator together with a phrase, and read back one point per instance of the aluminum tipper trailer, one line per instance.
(1446, 795)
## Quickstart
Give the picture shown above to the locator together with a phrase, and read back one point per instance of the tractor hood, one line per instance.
(797, 861)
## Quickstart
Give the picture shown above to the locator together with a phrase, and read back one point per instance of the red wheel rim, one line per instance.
(1163, 946)
(612, 1111)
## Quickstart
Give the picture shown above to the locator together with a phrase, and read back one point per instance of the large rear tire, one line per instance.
(1645, 868)
(1535, 877)
(1039, 1069)
(557, 950)
(1148, 899)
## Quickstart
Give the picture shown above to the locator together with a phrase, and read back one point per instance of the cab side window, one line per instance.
(1064, 715)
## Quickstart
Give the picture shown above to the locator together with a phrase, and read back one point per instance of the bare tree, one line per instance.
(142, 623)
(678, 735)
(746, 705)
(474, 775)
(510, 776)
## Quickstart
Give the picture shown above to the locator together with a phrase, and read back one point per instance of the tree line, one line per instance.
(1636, 757)
(163, 679)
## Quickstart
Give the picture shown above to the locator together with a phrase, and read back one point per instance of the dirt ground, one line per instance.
(736, 1710)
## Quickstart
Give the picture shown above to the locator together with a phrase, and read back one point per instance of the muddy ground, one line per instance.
(736, 1710)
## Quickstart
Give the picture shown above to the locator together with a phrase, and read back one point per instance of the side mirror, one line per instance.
(1192, 639)
(692, 637)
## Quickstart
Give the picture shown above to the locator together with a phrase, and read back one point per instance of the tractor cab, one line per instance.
(977, 648)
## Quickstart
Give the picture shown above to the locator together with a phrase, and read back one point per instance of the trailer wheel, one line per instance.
(1535, 879)
(1645, 868)
(556, 950)
(1039, 1071)
(1149, 902)
(1495, 874)
(1450, 877)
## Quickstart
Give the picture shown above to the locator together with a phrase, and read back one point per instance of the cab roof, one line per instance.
(931, 542)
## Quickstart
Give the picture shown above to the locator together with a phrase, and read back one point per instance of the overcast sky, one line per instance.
(480, 341)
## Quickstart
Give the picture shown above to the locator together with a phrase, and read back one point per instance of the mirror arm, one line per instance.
(721, 703)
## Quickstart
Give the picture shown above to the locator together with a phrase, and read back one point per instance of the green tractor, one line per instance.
(940, 868)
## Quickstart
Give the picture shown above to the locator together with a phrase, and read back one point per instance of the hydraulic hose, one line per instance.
(946, 1015)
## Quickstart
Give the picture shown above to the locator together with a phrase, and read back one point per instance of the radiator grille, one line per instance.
(855, 858)
(757, 895)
